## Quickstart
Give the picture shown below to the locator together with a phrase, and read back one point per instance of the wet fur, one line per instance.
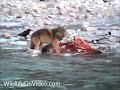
(49, 36)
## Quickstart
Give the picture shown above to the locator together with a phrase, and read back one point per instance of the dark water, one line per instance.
(77, 72)
(100, 72)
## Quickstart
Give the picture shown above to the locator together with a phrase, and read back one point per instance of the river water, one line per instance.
(73, 72)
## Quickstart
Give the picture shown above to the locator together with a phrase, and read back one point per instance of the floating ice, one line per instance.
(67, 54)
(33, 52)
(2, 40)
(9, 24)
(18, 43)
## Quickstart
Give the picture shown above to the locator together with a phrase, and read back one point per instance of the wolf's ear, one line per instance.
(51, 32)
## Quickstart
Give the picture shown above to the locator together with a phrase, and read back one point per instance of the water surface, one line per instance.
(76, 72)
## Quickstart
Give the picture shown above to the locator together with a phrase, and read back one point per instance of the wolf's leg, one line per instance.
(35, 42)
(40, 46)
(56, 45)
